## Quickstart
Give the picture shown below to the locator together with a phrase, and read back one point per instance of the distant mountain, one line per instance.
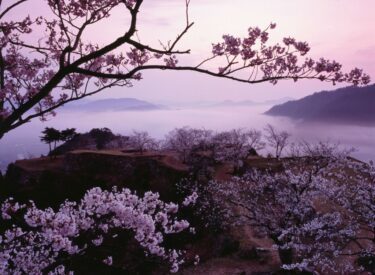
(113, 104)
(346, 105)
(230, 103)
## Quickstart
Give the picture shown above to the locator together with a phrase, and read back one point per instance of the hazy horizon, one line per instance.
(24, 142)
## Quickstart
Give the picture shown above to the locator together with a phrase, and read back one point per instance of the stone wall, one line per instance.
(50, 181)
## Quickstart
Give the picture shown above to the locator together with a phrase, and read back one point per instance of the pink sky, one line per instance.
(343, 30)
(338, 29)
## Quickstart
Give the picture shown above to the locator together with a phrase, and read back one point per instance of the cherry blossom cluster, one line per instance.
(190, 200)
(355, 192)
(274, 62)
(44, 238)
(233, 146)
(28, 67)
(207, 214)
(184, 140)
(317, 209)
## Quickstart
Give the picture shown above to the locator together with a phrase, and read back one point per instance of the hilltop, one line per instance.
(349, 105)
(225, 237)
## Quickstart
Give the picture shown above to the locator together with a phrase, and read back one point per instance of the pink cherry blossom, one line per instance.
(53, 233)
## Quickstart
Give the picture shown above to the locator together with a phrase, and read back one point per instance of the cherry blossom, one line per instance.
(301, 208)
(142, 141)
(184, 140)
(48, 237)
(235, 145)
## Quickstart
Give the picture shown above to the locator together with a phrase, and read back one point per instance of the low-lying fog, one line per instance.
(24, 142)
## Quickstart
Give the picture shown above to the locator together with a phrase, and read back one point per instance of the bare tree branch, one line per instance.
(11, 7)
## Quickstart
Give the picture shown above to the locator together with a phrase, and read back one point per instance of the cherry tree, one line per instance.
(236, 145)
(43, 241)
(277, 140)
(39, 75)
(255, 139)
(312, 209)
(142, 141)
(184, 140)
(354, 191)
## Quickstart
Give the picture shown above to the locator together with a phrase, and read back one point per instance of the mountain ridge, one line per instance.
(244, 103)
(345, 105)
(114, 104)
